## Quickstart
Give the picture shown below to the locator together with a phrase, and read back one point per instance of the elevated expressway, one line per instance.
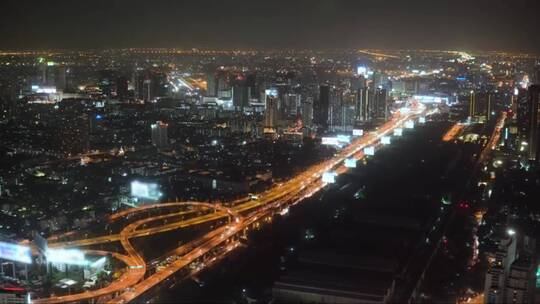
(217, 242)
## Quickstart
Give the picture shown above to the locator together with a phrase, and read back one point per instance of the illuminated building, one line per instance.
(52, 74)
(150, 84)
(481, 106)
(362, 104)
(159, 135)
(533, 100)
(511, 274)
(271, 113)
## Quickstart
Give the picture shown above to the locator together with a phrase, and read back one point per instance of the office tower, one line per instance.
(358, 83)
(240, 93)
(159, 135)
(533, 119)
(380, 103)
(52, 75)
(211, 85)
(322, 106)
(307, 111)
(481, 105)
(271, 113)
(362, 107)
(291, 104)
(336, 113)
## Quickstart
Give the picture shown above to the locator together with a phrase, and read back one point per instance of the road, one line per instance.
(290, 192)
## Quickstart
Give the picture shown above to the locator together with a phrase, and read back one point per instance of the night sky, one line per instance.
(388, 24)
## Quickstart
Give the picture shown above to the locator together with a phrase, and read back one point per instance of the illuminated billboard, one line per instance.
(398, 132)
(272, 92)
(16, 253)
(385, 140)
(145, 190)
(369, 151)
(66, 256)
(363, 70)
(409, 124)
(344, 139)
(422, 120)
(357, 132)
(430, 99)
(331, 141)
(350, 163)
(329, 177)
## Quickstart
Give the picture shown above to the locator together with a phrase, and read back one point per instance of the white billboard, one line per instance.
(350, 163)
(344, 139)
(369, 151)
(398, 132)
(272, 92)
(385, 140)
(357, 132)
(422, 120)
(329, 177)
(409, 124)
(331, 141)
(16, 253)
(145, 190)
(66, 256)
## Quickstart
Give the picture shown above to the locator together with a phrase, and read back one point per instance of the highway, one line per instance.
(286, 193)
(133, 284)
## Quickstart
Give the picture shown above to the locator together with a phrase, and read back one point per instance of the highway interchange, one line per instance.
(211, 246)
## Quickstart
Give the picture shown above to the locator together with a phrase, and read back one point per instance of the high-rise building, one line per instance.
(240, 92)
(211, 85)
(53, 75)
(322, 106)
(481, 105)
(150, 85)
(271, 113)
(291, 104)
(159, 135)
(533, 100)
(307, 111)
(512, 270)
(362, 105)
(380, 103)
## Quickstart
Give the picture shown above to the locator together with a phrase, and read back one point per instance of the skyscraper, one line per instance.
(321, 107)
(270, 116)
(159, 135)
(481, 105)
(533, 100)
(362, 105)
(307, 111)
(211, 85)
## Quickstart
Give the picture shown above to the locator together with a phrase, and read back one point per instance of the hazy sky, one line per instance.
(458, 24)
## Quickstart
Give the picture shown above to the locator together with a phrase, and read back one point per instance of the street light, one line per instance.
(511, 232)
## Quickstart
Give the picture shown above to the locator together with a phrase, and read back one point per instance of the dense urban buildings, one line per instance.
(333, 174)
